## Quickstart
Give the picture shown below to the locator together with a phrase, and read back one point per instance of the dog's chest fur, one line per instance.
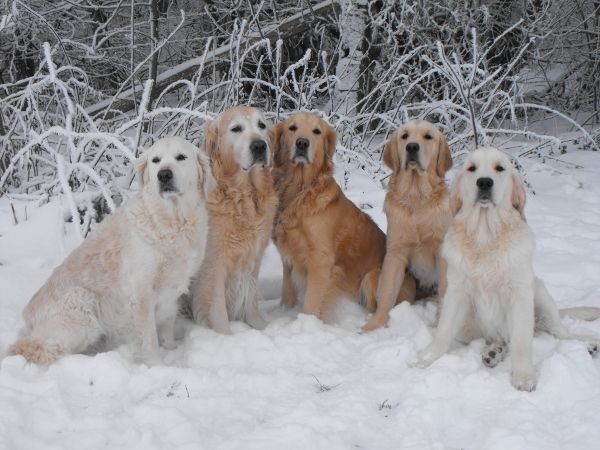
(420, 214)
(299, 205)
(490, 266)
(241, 221)
(172, 245)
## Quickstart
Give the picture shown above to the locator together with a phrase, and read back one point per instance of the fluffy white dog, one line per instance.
(492, 290)
(124, 280)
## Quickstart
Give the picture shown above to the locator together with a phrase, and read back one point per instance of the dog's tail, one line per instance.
(588, 313)
(368, 290)
(35, 351)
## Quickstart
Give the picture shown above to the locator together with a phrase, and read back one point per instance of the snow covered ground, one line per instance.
(303, 384)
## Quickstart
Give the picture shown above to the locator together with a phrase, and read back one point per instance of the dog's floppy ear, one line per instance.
(455, 195)
(330, 139)
(206, 180)
(518, 195)
(390, 153)
(141, 170)
(211, 136)
(444, 157)
(275, 138)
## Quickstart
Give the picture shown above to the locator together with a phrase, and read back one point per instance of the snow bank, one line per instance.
(303, 384)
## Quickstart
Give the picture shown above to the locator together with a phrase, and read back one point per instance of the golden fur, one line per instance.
(329, 247)
(241, 210)
(418, 213)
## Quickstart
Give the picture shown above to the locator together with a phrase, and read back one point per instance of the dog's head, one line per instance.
(488, 180)
(173, 167)
(239, 137)
(304, 140)
(420, 147)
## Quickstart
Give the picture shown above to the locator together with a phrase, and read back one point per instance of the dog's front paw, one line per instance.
(425, 358)
(523, 380)
(493, 354)
(374, 323)
(592, 348)
(169, 344)
(421, 363)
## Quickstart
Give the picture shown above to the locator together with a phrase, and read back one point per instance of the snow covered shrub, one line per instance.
(124, 74)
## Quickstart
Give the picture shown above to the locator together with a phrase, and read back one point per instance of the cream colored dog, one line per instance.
(492, 291)
(123, 281)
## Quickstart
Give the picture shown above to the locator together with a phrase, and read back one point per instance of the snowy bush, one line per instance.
(79, 103)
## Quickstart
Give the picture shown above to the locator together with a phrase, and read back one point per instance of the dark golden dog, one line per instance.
(329, 247)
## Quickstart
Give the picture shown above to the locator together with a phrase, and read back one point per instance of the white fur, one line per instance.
(492, 290)
(123, 281)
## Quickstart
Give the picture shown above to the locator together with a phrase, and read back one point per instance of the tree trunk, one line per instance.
(352, 29)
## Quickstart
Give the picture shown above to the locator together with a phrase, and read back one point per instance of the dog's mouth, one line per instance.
(300, 156)
(412, 163)
(167, 189)
(484, 199)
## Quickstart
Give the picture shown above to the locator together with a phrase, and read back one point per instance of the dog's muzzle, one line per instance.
(165, 181)
(301, 151)
(258, 149)
(484, 192)
(412, 155)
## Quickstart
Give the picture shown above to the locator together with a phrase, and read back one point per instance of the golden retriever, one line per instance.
(329, 247)
(241, 211)
(123, 281)
(492, 290)
(418, 213)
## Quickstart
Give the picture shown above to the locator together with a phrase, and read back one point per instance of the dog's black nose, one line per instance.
(302, 144)
(259, 150)
(485, 183)
(165, 175)
(412, 148)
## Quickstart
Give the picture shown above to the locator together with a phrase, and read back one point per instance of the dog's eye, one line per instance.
(428, 136)
(293, 128)
(156, 159)
(317, 131)
(180, 157)
(236, 129)
(405, 136)
(499, 168)
(261, 125)
(472, 169)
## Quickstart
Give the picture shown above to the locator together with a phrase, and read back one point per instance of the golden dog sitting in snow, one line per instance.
(241, 210)
(123, 281)
(492, 290)
(329, 247)
(418, 212)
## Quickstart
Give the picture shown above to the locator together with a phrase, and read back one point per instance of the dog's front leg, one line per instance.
(144, 328)
(318, 278)
(288, 292)
(209, 301)
(454, 308)
(390, 282)
(166, 332)
(252, 314)
(218, 317)
(521, 326)
(442, 269)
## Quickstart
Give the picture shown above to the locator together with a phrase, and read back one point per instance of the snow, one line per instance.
(303, 384)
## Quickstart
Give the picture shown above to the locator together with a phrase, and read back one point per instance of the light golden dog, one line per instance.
(492, 290)
(241, 211)
(123, 281)
(418, 213)
(329, 247)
